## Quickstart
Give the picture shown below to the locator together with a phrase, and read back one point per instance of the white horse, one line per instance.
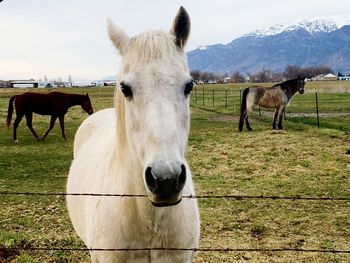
(138, 148)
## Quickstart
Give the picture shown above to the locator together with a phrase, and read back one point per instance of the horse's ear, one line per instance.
(181, 27)
(87, 95)
(118, 37)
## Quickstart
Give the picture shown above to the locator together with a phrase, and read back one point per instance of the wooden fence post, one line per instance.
(240, 99)
(195, 93)
(317, 113)
(213, 99)
(203, 95)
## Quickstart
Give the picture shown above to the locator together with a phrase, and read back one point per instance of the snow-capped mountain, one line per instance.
(313, 26)
(305, 43)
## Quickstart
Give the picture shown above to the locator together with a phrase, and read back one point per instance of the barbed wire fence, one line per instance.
(199, 249)
(222, 101)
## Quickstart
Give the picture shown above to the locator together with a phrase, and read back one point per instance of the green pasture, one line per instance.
(301, 160)
(333, 103)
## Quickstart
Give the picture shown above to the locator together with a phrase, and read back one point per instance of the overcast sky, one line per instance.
(68, 37)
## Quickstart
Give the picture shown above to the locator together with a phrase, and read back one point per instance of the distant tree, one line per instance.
(293, 71)
(277, 77)
(317, 70)
(196, 75)
(340, 74)
(250, 76)
(264, 75)
(237, 77)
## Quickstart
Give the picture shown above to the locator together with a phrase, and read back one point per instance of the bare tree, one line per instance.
(293, 71)
(264, 75)
(237, 77)
(196, 75)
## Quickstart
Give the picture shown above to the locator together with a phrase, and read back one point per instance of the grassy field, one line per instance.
(302, 160)
(333, 103)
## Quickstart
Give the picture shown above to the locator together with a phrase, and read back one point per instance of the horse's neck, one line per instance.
(74, 99)
(290, 90)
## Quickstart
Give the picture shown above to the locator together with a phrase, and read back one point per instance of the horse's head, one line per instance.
(86, 105)
(152, 101)
(300, 84)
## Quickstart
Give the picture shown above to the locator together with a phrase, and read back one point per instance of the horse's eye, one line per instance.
(189, 87)
(126, 90)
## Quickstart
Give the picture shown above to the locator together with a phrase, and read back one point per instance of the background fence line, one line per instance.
(227, 101)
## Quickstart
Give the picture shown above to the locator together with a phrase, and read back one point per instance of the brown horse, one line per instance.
(277, 96)
(55, 104)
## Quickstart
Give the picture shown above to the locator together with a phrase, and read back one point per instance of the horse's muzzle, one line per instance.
(165, 204)
(165, 191)
(301, 91)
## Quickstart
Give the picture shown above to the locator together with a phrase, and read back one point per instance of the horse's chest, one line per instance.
(136, 232)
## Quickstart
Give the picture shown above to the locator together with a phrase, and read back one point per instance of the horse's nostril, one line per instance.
(182, 177)
(150, 180)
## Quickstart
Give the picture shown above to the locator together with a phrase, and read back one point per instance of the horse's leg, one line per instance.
(249, 110)
(52, 123)
(61, 119)
(29, 118)
(15, 125)
(275, 115)
(247, 124)
(280, 117)
(241, 120)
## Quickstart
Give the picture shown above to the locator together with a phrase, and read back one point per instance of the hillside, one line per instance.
(305, 43)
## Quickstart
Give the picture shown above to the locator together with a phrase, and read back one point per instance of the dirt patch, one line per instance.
(6, 254)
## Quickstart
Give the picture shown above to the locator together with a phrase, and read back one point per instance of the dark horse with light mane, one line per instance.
(55, 104)
(277, 96)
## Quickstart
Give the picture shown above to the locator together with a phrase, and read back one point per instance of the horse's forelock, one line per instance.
(149, 46)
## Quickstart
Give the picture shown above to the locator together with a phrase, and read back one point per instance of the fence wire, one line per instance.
(204, 249)
(237, 197)
(220, 250)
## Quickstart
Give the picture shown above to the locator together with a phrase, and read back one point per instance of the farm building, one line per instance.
(344, 78)
(4, 84)
(31, 84)
(227, 80)
(37, 84)
(325, 77)
(330, 76)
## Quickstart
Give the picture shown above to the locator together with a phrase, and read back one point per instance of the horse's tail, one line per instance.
(243, 109)
(10, 111)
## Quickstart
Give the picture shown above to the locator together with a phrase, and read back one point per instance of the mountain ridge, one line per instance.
(305, 43)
